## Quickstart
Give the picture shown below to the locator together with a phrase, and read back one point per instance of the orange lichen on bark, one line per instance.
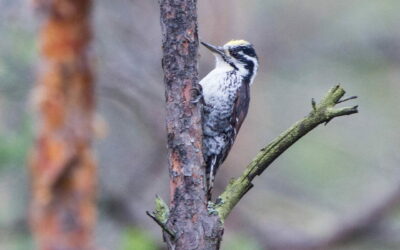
(176, 164)
(62, 168)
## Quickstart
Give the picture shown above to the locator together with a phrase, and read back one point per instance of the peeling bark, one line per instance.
(189, 218)
(61, 164)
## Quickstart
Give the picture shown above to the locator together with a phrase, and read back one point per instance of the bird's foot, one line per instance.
(197, 94)
(211, 208)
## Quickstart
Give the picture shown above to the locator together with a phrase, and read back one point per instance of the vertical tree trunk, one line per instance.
(189, 218)
(62, 167)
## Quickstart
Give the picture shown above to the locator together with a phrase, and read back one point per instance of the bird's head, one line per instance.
(238, 54)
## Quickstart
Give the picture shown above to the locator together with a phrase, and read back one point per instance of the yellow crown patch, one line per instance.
(237, 43)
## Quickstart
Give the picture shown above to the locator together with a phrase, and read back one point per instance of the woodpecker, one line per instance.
(226, 95)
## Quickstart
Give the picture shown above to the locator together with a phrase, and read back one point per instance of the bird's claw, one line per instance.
(197, 94)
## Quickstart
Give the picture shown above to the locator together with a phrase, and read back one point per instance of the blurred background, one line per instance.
(337, 188)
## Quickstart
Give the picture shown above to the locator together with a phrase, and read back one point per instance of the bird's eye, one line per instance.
(233, 53)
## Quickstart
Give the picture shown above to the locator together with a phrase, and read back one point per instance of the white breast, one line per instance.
(215, 84)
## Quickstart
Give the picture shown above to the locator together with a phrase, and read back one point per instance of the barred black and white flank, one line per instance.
(226, 93)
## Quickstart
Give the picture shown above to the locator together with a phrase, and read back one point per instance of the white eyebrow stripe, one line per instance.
(255, 61)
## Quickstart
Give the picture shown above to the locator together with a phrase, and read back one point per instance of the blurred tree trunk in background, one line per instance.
(61, 164)
(195, 228)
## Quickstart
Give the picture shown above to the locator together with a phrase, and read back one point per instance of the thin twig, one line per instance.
(313, 104)
(162, 225)
(347, 99)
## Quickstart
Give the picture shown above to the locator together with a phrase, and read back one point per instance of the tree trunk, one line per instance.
(61, 164)
(195, 228)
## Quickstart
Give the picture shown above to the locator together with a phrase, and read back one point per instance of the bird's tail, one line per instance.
(210, 174)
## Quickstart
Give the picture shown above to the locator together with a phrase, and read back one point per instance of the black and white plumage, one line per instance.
(226, 93)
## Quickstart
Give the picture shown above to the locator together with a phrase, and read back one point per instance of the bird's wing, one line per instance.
(239, 113)
(241, 107)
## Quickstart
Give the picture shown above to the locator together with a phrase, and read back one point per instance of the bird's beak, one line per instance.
(214, 49)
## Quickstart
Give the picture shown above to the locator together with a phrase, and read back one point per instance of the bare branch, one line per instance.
(324, 112)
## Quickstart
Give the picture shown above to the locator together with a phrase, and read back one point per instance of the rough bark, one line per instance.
(189, 218)
(61, 164)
